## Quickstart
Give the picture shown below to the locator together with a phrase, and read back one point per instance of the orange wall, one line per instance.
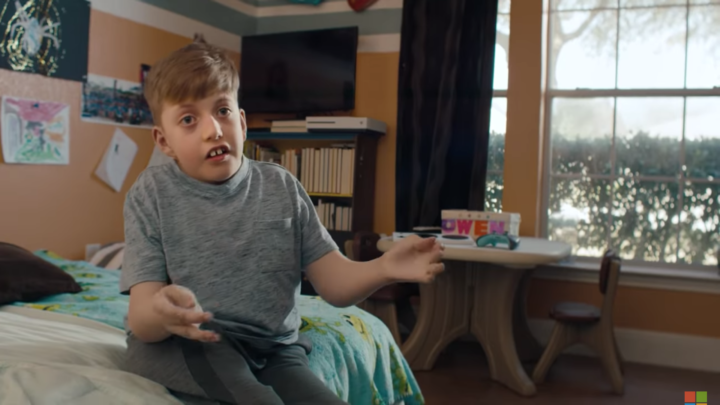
(377, 83)
(637, 308)
(63, 208)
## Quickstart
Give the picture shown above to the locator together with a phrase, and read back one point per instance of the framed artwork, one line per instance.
(46, 37)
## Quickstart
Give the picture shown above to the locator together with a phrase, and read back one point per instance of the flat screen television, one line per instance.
(299, 72)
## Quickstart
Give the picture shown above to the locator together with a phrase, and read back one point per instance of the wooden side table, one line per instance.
(482, 291)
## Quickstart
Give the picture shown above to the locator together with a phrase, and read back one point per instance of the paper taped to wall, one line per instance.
(35, 132)
(118, 158)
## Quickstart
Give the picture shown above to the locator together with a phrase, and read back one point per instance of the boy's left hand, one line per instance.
(413, 259)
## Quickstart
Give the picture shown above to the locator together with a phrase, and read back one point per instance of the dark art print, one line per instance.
(47, 37)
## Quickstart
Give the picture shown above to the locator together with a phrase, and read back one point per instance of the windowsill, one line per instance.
(705, 280)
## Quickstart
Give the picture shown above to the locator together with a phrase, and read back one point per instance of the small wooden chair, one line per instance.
(586, 324)
(390, 301)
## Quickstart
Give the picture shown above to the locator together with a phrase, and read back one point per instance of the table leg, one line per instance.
(492, 323)
(529, 350)
(444, 316)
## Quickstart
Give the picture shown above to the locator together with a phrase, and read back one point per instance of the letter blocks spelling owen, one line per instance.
(479, 223)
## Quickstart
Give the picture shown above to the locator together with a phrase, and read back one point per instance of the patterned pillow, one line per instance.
(110, 256)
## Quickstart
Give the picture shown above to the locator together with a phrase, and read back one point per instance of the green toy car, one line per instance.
(494, 239)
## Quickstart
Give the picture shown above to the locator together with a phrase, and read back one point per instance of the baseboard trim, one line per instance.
(648, 347)
(641, 346)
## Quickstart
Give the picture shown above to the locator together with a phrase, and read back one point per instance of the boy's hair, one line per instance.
(192, 72)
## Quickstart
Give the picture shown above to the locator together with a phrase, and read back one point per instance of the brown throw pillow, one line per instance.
(26, 277)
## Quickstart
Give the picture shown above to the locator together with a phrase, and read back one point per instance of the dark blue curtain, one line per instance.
(444, 98)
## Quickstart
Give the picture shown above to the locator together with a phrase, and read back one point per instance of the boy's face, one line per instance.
(204, 136)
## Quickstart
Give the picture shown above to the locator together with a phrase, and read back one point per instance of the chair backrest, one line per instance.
(365, 246)
(605, 269)
(349, 249)
(609, 277)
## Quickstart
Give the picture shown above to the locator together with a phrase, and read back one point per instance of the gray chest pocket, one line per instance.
(274, 241)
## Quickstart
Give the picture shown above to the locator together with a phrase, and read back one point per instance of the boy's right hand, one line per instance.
(181, 314)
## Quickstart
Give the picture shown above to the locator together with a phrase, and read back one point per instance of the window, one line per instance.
(498, 113)
(633, 160)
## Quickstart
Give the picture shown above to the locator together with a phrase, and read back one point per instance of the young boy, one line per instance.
(216, 233)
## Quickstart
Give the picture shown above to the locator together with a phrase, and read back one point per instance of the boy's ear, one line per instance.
(161, 142)
(243, 124)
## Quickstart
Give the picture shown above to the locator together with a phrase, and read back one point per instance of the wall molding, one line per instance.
(648, 347)
(159, 18)
(326, 7)
(380, 43)
(147, 14)
(701, 280)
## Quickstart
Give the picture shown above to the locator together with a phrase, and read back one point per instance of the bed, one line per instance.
(71, 346)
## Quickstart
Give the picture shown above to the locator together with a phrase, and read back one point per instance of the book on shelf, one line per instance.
(334, 217)
(288, 130)
(322, 170)
(261, 153)
(288, 126)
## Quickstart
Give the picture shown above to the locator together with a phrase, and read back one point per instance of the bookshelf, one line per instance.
(336, 169)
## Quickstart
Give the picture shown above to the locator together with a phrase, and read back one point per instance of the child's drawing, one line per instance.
(35, 132)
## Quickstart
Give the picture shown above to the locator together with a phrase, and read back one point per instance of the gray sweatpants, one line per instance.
(218, 373)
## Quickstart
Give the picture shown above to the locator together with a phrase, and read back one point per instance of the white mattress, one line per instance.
(48, 358)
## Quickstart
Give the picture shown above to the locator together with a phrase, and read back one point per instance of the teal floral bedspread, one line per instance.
(353, 351)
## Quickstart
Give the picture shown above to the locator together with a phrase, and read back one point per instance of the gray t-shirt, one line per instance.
(240, 246)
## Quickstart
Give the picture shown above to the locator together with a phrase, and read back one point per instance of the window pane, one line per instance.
(652, 48)
(648, 134)
(582, 4)
(702, 138)
(700, 223)
(583, 49)
(704, 1)
(645, 220)
(581, 135)
(498, 120)
(578, 214)
(496, 155)
(502, 49)
(704, 47)
(647, 3)
(494, 192)
(504, 7)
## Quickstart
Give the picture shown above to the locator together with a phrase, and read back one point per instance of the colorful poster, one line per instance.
(117, 160)
(35, 132)
(106, 100)
(47, 37)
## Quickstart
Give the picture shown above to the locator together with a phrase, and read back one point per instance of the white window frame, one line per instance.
(643, 268)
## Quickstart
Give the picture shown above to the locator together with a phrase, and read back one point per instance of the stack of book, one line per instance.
(324, 170)
(334, 217)
(262, 153)
(288, 126)
(320, 170)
